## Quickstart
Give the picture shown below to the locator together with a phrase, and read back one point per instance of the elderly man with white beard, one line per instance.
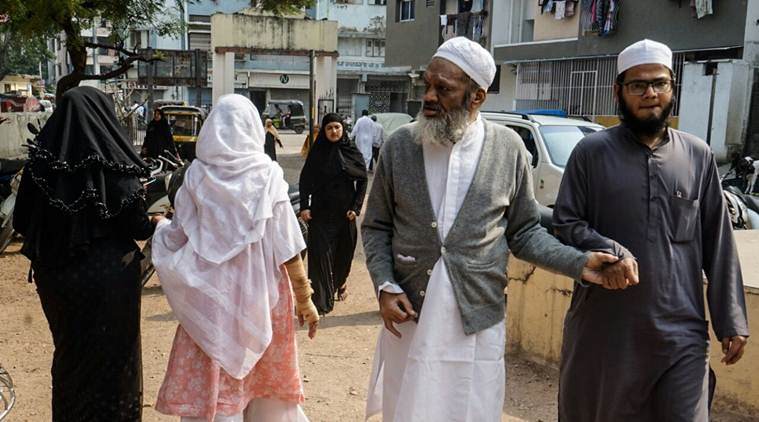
(452, 196)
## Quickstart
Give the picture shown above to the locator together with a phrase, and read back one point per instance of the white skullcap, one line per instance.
(644, 52)
(471, 57)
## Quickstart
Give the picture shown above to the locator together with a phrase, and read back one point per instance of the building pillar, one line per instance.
(223, 75)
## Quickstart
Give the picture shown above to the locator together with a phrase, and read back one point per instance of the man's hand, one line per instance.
(621, 275)
(305, 215)
(395, 308)
(733, 347)
(610, 272)
(351, 215)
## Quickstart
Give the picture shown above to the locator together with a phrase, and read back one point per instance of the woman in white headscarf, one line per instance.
(226, 263)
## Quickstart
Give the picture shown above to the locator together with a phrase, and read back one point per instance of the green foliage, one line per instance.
(21, 56)
(282, 7)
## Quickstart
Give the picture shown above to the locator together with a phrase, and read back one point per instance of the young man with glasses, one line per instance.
(641, 352)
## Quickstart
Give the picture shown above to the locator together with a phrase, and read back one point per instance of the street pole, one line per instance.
(311, 97)
(198, 75)
(149, 107)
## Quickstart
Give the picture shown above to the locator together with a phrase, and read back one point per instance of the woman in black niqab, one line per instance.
(332, 189)
(80, 208)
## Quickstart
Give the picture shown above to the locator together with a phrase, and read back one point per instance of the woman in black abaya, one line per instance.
(332, 189)
(80, 207)
(158, 137)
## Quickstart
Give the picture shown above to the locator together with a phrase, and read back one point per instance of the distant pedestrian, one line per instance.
(272, 137)
(363, 135)
(332, 189)
(306, 148)
(377, 140)
(158, 137)
(80, 208)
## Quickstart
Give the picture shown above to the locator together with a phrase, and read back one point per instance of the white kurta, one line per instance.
(435, 372)
(363, 132)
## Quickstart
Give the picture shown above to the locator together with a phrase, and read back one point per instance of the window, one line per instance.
(200, 41)
(405, 10)
(529, 142)
(7, 87)
(349, 47)
(378, 2)
(200, 18)
(375, 48)
(103, 23)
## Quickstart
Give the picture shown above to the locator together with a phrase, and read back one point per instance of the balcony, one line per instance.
(473, 25)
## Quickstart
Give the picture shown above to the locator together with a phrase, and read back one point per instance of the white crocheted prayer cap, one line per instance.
(644, 52)
(471, 57)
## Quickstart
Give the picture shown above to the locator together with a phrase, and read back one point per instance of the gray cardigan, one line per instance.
(499, 215)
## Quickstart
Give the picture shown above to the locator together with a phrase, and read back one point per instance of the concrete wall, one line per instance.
(538, 301)
(357, 17)
(424, 30)
(13, 133)
(547, 27)
(506, 96)
(272, 33)
(731, 105)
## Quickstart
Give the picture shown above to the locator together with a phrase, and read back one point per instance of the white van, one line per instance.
(550, 140)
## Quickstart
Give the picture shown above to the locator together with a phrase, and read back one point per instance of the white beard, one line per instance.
(447, 129)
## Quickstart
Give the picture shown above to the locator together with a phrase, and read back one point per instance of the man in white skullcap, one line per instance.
(438, 261)
(650, 195)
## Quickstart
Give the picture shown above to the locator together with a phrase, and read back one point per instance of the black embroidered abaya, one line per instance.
(80, 206)
(158, 138)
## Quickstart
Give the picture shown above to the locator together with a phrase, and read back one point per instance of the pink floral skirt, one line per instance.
(196, 386)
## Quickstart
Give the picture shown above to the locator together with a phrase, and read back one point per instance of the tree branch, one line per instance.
(111, 47)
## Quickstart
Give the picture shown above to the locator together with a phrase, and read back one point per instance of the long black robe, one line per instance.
(158, 138)
(641, 354)
(80, 206)
(333, 181)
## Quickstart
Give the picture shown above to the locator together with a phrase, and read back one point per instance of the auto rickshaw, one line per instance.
(185, 123)
(286, 114)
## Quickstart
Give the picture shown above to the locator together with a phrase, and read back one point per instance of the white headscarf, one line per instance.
(472, 58)
(219, 259)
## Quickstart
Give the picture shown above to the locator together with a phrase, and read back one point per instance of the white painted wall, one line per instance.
(506, 97)
(731, 104)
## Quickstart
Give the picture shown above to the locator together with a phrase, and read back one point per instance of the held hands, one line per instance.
(351, 215)
(395, 308)
(305, 215)
(610, 272)
(732, 347)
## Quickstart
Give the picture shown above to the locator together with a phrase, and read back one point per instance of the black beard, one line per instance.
(647, 127)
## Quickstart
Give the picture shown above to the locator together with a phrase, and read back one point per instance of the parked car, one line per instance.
(550, 140)
(390, 122)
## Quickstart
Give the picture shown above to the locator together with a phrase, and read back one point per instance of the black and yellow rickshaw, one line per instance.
(286, 114)
(185, 123)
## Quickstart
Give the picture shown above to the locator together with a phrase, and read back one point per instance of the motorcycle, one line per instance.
(7, 393)
(740, 192)
(166, 176)
(10, 179)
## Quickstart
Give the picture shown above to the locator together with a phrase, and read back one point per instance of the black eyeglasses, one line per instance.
(639, 87)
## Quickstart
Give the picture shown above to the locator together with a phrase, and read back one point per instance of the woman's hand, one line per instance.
(305, 215)
(351, 215)
(155, 219)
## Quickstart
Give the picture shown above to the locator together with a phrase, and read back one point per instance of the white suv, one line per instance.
(550, 140)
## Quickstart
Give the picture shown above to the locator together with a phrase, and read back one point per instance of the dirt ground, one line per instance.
(335, 365)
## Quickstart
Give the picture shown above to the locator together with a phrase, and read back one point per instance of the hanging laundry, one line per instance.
(548, 6)
(702, 8)
(561, 7)
(570, 8)
(478, 5)
(443, 20)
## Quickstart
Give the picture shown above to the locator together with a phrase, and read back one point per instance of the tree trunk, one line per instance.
(78, 55)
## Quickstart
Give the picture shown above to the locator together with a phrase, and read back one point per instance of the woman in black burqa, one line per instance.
(158, 137)
(332, 189)
(80, 206)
